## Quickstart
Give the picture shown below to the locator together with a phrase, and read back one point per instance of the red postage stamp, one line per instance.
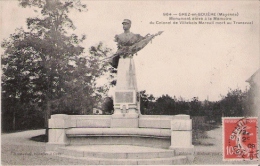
(240, 138)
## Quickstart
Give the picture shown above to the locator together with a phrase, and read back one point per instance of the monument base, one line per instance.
(184, 151)
(124, 127)
(124, 122)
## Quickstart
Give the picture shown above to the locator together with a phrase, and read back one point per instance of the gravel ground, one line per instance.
(18, 149)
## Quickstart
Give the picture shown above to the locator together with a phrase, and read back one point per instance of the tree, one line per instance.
(217, 112)
(234, 103)
(195, 107)
(182, 107)
(165, 105)
(146, 102)
(46, 69)
(107, 105)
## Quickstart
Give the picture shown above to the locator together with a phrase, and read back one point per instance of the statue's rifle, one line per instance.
(147, 36)
(159, 33)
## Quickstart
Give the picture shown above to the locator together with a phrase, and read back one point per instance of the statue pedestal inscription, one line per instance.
(125, 109)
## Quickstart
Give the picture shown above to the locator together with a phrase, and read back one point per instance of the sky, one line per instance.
(187, 60)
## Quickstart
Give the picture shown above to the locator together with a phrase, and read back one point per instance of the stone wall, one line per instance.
(175, 131)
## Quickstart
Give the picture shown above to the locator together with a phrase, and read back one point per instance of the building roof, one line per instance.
(252, 78)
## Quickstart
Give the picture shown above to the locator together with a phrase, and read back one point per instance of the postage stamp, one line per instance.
(240, 138)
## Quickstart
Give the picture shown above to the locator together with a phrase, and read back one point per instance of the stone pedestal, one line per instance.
(181, 136)
(58, 124)
(126, 109)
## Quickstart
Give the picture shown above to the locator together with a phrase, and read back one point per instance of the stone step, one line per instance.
(176, 160)
(116, 152)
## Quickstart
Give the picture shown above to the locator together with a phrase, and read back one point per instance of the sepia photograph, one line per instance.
(143, 82)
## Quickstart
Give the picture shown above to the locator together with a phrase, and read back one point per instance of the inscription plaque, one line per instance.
(125, 97)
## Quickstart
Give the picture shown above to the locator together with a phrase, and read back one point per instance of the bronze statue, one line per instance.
(129, 43)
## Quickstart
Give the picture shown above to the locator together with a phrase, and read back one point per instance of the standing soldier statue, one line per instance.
(126, 106)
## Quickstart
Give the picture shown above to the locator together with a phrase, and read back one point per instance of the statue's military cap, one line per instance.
(126, 21)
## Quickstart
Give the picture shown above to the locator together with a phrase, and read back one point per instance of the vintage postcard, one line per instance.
(142, 82)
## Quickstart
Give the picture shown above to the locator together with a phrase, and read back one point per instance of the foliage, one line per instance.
(195, 107)
(165, 105)
(45, 70)
(146, 102)
(181, 106)
(235, 103)
(107, 105)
